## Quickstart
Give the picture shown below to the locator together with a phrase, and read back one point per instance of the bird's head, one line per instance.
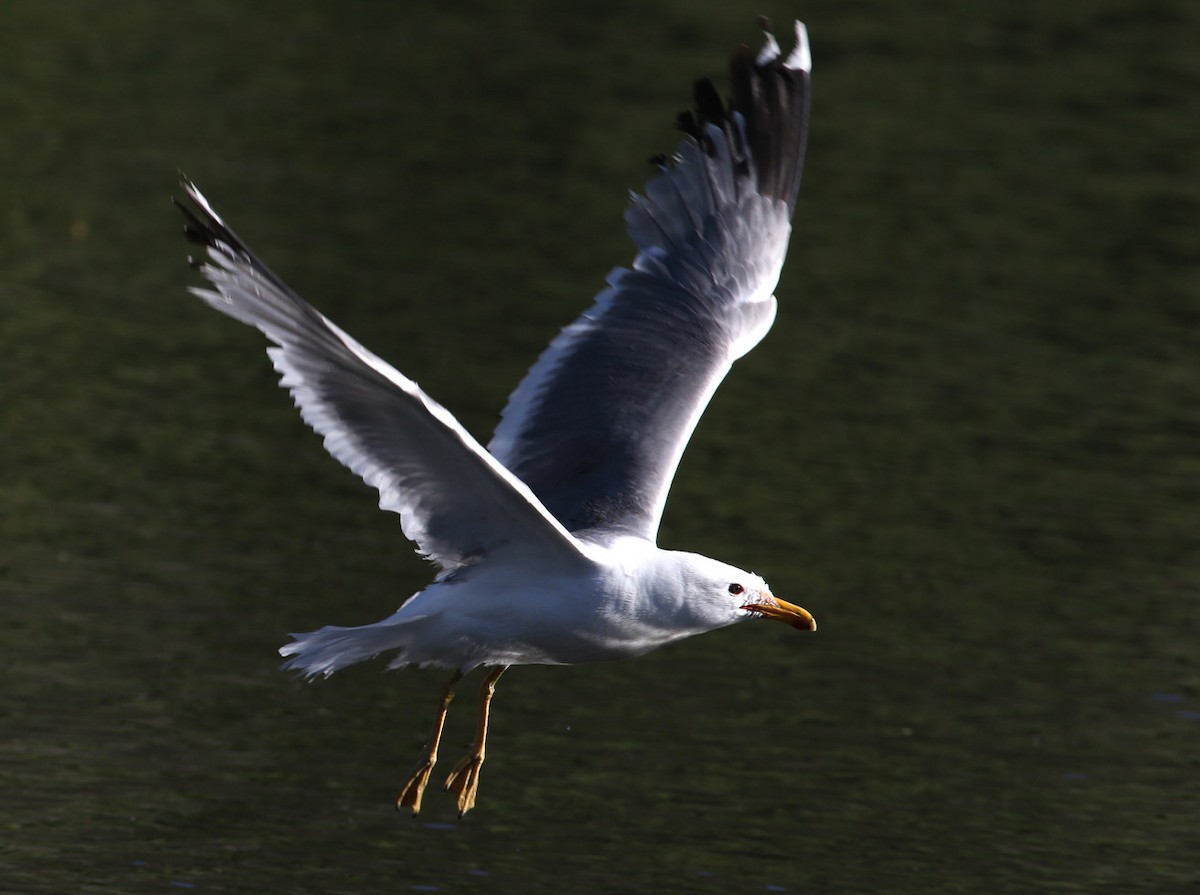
(740, 595)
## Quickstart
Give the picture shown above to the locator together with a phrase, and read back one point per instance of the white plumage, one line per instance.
(546, 539)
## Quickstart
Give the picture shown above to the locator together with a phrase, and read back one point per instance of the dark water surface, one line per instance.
(971, 446)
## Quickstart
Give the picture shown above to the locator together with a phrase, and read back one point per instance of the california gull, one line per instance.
(546, 539)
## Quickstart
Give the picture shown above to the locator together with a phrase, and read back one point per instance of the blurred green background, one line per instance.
(971, 446)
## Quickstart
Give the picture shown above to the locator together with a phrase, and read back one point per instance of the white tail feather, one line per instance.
(330, 648)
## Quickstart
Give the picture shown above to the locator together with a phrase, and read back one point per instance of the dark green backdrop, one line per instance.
(970, 446)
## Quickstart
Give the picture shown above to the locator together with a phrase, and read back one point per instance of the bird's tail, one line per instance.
(328, 649)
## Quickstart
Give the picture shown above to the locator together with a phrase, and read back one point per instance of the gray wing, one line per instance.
(454, 499)
(597, 427)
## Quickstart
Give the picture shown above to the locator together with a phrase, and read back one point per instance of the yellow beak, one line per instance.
(783, 611)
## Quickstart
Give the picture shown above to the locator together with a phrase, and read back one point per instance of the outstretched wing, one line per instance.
(598, 425)
(454, 499)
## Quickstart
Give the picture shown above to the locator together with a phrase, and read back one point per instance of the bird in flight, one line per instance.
(545, 540)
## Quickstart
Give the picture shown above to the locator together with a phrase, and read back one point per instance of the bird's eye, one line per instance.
(736, 589)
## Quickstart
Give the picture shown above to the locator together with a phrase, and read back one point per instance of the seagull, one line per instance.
(545, 540)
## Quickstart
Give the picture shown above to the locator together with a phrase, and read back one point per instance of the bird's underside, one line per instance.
(587, 446)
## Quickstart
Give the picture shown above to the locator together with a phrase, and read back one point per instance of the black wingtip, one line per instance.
(194, 229)
(770, 92)
(202, 226)
(709, 106)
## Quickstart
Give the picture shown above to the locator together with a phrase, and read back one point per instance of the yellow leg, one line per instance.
(464, 779)
(414, 786)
